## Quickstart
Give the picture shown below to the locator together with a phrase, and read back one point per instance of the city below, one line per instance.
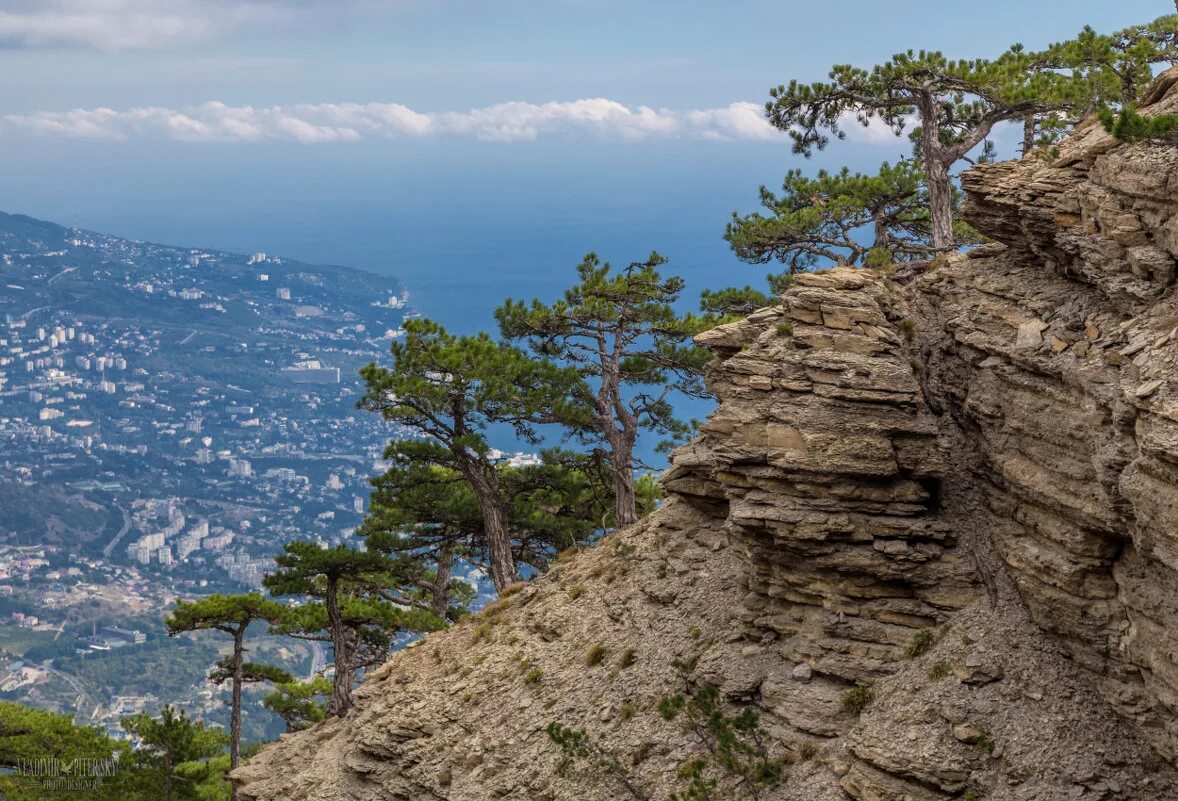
(168, 418)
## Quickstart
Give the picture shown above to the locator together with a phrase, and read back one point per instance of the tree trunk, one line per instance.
(498, 545)
(940, 196)
(625, 511)
(882, 238)
(235, 706)
(936, 171)
(1028, 135)
(495, 527)
(441, 594)
(341, 685)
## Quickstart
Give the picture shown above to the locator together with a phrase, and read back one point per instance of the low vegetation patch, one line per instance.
(922, 641)
(856, 699)
(596, 655)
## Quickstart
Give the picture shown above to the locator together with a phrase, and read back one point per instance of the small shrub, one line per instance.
(641, 753)
(579, 750)
(735, 744)
(482, 632)
(856, 699)
(576, 591)
(907, 328)
(624, 549)
(628, 657)
(596, 655)
(495, 608)
(1129, 126)
(940, 671)
(626, 712)
(921, 642)
(696, 633)
(661, 570)
(785, 329)
(879, 257)
(807, 750)
(512, 589)
(533, 676)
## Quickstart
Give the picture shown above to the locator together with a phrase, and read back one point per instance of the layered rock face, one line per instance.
(830, 467)
(930, 535)
(1056, 357)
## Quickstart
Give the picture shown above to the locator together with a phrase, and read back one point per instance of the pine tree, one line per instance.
(819, 219)
(731, 303)
(450, 390)
(1115, 70)
(166, 745)
(251, 673)
(359, 610)
(427, 518)
(561, 503)
(233, 615)
(1118, 67)
(297, 702)
(621, 332)
(825, 221)
(28, 735)
(956, 103)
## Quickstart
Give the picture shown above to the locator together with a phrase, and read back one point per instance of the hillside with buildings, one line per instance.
(168, 418)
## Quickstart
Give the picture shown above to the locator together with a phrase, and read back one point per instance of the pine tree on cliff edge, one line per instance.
(955, 103)
(233, 615)
(450, 390)
(620, 331)
(358, 608)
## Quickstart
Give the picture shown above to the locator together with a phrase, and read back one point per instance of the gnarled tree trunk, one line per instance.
(235, 705)
(625, 503)
(936, 172)
(1028, 134)
(341, 686)
(495, 526)
(441, 591)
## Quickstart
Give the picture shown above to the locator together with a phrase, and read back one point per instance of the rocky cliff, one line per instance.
(930, 534)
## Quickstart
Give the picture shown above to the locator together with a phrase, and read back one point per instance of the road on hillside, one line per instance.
(110, 546)
(318, 659)
(76, 685)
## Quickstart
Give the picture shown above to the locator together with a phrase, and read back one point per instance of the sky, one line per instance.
(473, 149)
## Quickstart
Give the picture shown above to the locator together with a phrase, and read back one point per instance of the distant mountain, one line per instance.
(181, 410)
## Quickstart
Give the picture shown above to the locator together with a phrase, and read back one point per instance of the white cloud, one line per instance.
(332, 122)
(515, 121)
(129, 24)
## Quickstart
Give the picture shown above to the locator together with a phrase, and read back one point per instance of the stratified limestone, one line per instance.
(954, 488)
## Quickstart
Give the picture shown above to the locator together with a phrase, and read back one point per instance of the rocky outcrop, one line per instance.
(1056, 357)
(930, 534)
